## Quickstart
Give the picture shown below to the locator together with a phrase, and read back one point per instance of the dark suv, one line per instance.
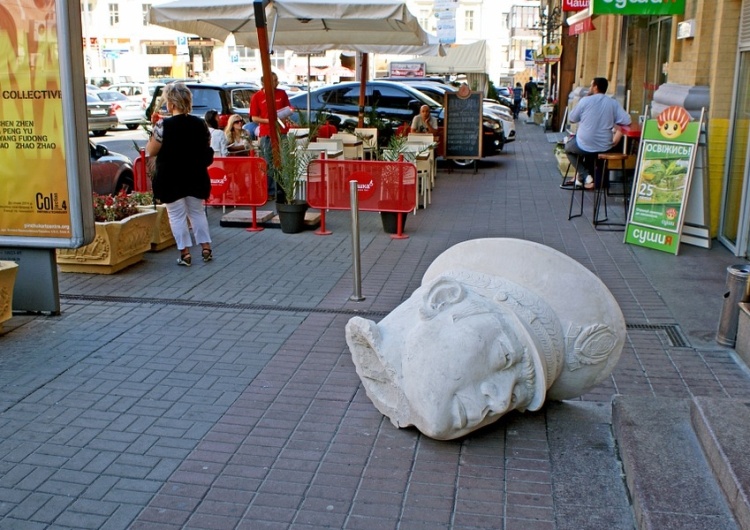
(226, 99)
(394, 103)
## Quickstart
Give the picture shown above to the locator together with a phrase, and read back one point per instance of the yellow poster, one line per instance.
(34, 200)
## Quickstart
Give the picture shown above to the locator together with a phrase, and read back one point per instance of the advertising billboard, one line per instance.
(45, 180)
(662, 180)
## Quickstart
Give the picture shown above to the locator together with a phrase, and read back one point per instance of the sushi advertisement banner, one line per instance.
(667, 157)
(33, 179)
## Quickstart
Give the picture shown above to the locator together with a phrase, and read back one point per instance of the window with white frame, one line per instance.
(469, 20)
(145, 10)
(114, 14)
(424, 18)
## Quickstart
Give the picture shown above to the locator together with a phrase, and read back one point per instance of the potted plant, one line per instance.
(8, 270)
(396, 149)
(123, 235)
(288, 175)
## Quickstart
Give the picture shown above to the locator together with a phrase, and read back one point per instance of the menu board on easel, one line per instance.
(662, 182)
(463, 124)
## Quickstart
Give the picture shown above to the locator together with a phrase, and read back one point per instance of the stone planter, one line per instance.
(8, 270)
(162, 236)
(116, 245)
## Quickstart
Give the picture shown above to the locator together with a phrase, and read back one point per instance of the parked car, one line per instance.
(226, 99)
(394, 103)
(437, 92)
(139, 92)
(110, 171)
(101, 115)
(504, 91)
(505, 115)
(129, 113)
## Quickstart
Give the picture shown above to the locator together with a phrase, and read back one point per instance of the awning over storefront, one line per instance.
(581, 22)
(459, 59)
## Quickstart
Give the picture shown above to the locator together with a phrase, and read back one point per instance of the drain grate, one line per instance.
(674, 334)
(219, 305)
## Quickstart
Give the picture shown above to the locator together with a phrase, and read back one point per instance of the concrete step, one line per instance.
(671, 484)
(723, 428)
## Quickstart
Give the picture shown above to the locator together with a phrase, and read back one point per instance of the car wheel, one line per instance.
(131, 126)
(125, 183)
(99, 133)
(462, 162)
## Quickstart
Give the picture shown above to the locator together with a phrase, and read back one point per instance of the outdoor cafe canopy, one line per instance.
(304, 26)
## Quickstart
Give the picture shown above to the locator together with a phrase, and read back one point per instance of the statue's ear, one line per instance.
(380, 379)
(443, 293)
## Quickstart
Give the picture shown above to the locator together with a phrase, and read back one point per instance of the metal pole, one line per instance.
(356, 268)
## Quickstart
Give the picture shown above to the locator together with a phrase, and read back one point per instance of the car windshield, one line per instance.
(206, 98)
(111, 95)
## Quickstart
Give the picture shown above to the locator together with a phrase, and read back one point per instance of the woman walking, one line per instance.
(181, 142)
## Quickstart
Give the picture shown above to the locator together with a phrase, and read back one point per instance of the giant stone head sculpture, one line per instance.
(497, 325)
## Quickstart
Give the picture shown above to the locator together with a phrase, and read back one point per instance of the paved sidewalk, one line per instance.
(223, 395)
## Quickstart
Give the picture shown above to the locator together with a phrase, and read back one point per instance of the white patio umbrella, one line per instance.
(303, 26)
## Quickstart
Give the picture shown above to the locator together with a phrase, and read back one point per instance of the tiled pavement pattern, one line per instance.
(223, 396)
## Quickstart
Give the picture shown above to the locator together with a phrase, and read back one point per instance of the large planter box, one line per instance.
(161, 237)
(116, 245)
(742, 345)
(8, 270)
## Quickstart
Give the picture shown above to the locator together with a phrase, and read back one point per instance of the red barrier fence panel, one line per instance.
(238, 181)
(382, 186)
(141, 182)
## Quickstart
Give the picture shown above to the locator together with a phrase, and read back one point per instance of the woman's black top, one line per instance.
(183, 159)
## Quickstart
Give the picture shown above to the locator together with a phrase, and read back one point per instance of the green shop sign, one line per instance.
(639, 7)
(665, 166)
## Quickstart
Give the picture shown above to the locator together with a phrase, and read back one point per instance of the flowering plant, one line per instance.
(143, 198)
(114, 207)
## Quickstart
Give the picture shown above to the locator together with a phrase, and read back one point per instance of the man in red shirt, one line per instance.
(259, 115)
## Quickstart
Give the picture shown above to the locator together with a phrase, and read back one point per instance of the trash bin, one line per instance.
(737, 291)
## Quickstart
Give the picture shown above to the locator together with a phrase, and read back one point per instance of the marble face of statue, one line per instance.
(468, 346)
(456, 353)
(480, 368)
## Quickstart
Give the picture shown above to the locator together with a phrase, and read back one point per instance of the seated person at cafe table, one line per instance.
(597, 115)
(424, 122)
(238, 141)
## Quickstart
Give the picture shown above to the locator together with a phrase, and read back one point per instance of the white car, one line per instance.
(505, 115)
(129, 113)
(140, 92)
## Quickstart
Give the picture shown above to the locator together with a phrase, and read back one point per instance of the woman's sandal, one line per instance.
(207, 255)
(185, 260)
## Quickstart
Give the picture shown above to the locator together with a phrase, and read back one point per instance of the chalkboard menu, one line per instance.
(463, 125)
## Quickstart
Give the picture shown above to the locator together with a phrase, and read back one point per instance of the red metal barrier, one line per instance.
(235, 181)
(382, 186)
(140, 181)
(239, 181)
